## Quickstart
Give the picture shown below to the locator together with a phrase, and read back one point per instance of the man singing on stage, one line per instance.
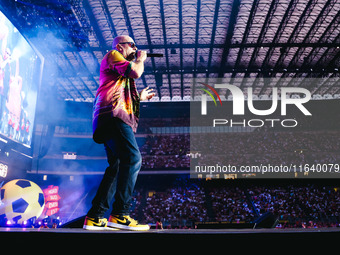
(115, 120)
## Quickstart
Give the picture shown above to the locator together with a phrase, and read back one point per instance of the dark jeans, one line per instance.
(120, 177)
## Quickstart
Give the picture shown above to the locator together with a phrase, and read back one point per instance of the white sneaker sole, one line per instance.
(98, 228)
(120, 226)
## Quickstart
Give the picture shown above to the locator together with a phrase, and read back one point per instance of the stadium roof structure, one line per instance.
(231, 39)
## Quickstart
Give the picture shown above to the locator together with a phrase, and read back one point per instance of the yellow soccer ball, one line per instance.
(22, 200)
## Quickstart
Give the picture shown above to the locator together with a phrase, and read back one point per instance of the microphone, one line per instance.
(154, 55)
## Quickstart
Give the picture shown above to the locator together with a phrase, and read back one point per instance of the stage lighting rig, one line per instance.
(64, 18)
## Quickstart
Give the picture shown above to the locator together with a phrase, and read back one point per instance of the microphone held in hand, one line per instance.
(154, 55)
(151, 55)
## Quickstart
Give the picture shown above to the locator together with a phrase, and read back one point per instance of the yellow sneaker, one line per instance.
(125, 222)
(96, 224)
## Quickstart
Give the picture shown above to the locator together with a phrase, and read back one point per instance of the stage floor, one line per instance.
(4, 230)
(197, 238)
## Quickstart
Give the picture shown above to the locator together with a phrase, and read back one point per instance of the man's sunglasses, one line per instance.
(131, 44)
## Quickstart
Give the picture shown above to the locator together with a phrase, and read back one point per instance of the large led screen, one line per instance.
(19, 84)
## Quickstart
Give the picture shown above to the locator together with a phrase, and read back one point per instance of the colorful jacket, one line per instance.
(117, 96)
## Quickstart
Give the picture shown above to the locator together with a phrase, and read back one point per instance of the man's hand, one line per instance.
(141, 55)
(146, 94)
(137, 67)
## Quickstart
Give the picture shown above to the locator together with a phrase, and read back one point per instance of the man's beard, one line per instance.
(131, 57)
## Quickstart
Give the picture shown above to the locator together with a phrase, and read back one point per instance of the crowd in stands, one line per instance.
(166, 145)
(166, 152)
(309, 203)
(230, 204)
(298, 205)
(267, 142)
(239, 149)
(179, 206)
(166, 162)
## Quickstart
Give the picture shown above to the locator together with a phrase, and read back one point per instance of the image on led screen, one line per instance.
(18, 88)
